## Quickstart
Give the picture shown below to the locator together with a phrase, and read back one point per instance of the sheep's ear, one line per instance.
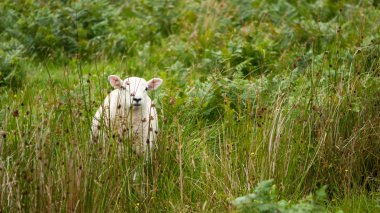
(154, 83)
(115, 81)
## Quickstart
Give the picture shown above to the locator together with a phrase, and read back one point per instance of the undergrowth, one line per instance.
(253, 90)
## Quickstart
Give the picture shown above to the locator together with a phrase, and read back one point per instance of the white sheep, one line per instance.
(129, 113)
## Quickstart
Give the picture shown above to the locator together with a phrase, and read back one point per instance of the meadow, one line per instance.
(266, 106)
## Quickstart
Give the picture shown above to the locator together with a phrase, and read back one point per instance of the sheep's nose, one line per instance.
(137, 99)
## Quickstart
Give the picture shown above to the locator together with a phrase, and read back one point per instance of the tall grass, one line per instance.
(48, 162)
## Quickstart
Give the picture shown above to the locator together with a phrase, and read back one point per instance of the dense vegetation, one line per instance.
(253, 90)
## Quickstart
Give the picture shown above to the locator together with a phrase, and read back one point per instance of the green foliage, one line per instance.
(265, 199)
(11, 64)
(160, 17)
(74, 28)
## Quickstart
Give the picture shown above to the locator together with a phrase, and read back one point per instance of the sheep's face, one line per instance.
(135, 89)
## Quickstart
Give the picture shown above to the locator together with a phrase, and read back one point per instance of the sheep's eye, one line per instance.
(122, 87)
(146, 89)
